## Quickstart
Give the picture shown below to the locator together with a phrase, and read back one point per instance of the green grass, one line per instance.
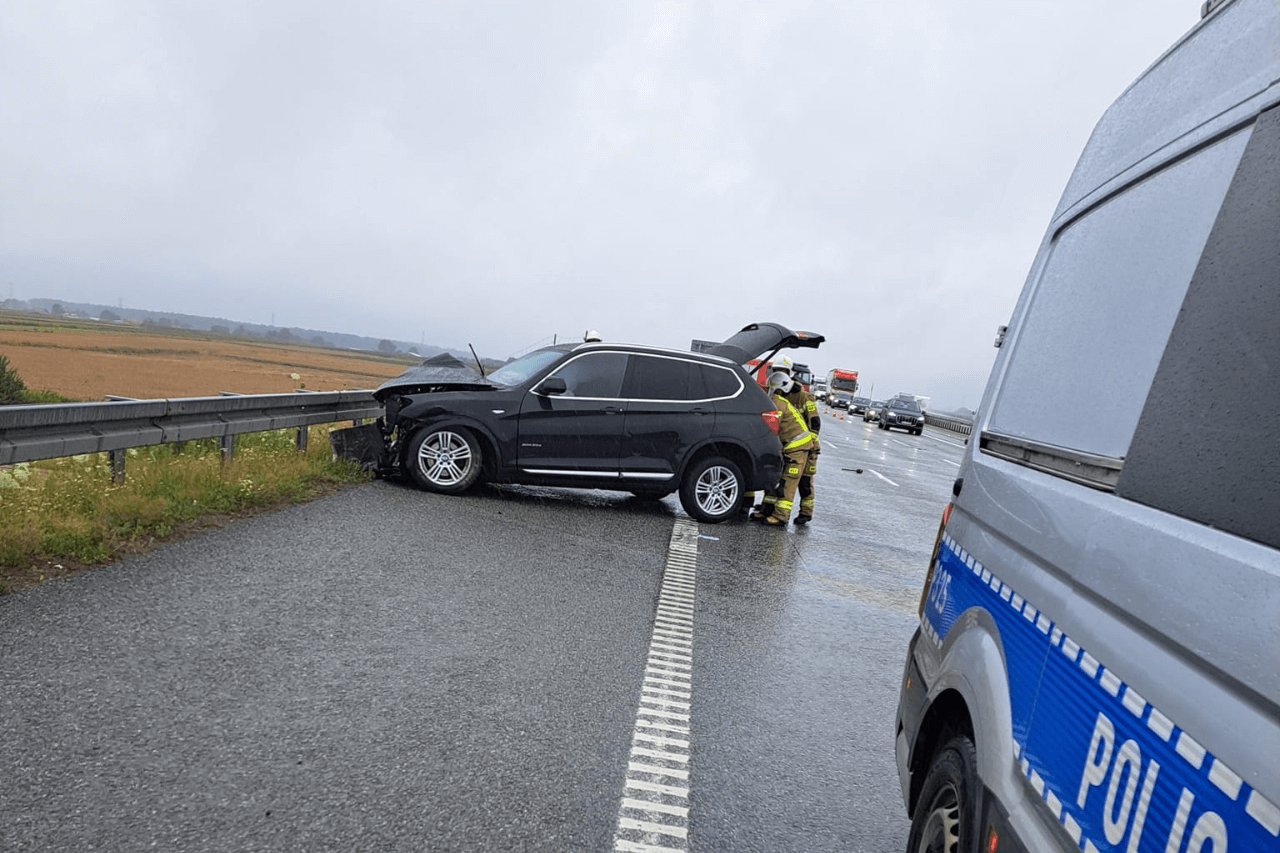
(69, 510)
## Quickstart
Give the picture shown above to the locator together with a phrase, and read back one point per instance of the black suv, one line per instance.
(594, 415)
(903, 413)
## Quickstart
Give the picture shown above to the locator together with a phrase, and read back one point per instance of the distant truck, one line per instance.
(800, 372)
(922, 401)
(842, 380)
(759, 371)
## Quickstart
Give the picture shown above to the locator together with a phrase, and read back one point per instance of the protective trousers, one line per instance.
(798, 466)
(806, 485)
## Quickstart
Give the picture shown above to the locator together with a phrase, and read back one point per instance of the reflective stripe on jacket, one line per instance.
(792, 429)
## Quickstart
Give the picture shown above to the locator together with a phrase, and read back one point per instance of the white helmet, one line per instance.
(780, 381)
(592, 336)
(783, 364)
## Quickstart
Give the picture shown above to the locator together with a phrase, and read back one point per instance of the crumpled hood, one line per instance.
(438, 373)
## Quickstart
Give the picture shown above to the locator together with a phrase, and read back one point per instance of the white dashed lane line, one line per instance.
(882, 477)
(654, 814)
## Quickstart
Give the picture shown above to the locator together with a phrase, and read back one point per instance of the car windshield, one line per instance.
(525, 367)
(908, 405)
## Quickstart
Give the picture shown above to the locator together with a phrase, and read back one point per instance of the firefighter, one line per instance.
(799, 444)
(804, 403)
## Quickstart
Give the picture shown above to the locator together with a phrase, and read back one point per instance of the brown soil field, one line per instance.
(87, 362)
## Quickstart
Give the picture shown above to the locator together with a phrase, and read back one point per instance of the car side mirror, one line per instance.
(552, 385)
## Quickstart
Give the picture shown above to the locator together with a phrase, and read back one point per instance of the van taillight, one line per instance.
(933, 560)
(770, 419)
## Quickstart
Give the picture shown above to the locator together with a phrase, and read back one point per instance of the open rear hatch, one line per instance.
(759, 338)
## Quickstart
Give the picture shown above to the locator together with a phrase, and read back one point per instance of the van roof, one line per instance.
(1190, 96)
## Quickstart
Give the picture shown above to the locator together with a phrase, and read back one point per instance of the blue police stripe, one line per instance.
(1116, 773)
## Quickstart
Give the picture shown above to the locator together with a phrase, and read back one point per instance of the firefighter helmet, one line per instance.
(779, 380)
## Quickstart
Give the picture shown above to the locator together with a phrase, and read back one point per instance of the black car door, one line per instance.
(578, 431)
(669, 410)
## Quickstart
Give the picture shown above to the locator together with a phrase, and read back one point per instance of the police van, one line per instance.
(1097, 665)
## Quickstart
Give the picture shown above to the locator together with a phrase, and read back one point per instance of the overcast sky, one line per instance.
(498, 173)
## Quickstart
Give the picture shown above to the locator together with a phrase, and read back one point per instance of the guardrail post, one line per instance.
(302, 439)
(227, 445)
(115, 459)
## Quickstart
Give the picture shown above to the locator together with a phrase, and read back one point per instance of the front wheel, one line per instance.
(945, 819)
(712, 490)
(444, 459)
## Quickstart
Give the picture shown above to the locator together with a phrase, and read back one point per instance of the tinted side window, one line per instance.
(719, 381)
(597, 374)
(1097, 323)
(1220, 464)
(654, 378)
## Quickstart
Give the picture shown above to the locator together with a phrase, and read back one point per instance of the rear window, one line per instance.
(654, 377)
(1105, 303)
(720, 382)
(1207, 445)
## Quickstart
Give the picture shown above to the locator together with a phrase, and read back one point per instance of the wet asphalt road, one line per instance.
(390, 670)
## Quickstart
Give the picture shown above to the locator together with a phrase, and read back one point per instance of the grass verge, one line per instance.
(63, 515)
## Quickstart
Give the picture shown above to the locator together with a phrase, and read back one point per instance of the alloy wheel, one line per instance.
(445, 458)
(717, 490)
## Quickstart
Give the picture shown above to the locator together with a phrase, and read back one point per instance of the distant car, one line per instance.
(902, 413)
(859, 405)
(872, 412)
(840, 399)
(819, 391)
(624, 417)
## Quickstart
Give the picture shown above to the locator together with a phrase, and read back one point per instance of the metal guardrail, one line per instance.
(960, 425)
(35, 432)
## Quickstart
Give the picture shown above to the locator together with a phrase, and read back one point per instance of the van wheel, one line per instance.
(443, 459)
(712, 489)
(945, 819)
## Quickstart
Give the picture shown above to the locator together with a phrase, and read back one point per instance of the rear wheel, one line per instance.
(945, 819)
(712, 489)
(444, 459)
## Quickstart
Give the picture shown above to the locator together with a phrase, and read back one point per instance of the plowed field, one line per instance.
(90, 362)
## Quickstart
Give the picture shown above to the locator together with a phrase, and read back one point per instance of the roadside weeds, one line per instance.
(61, 516)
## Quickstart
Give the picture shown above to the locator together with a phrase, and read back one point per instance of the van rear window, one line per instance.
(1089, 343)
(1207, 445)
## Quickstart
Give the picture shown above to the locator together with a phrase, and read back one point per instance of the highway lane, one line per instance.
(390, 670)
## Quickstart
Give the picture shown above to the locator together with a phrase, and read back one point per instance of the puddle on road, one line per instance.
(905, 601)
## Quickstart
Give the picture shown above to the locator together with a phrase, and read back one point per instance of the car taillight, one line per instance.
(770, 419)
